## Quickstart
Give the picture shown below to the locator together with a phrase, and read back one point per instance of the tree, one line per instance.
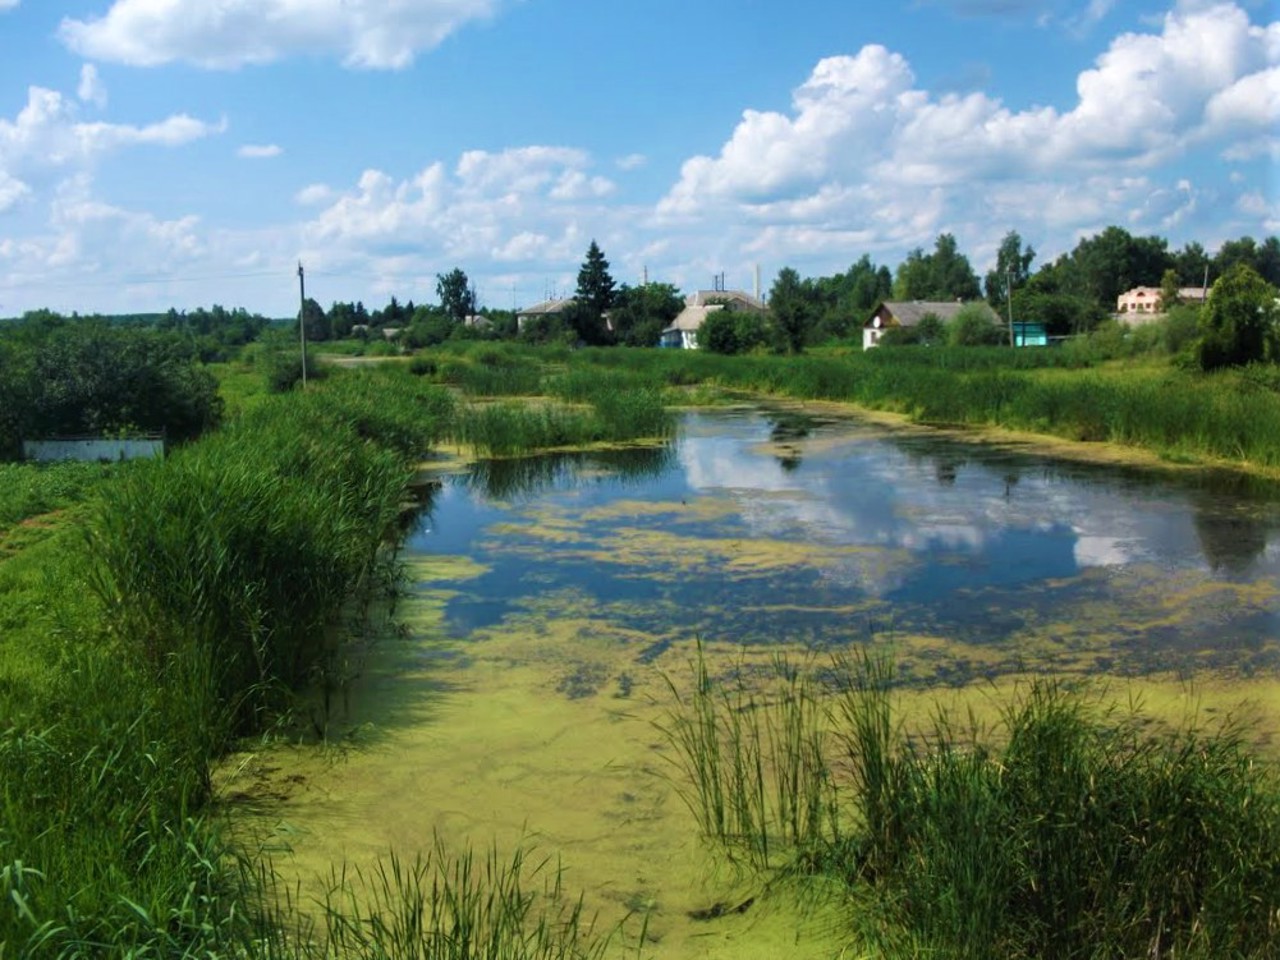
(944, 274)
(640, 314)
(1106, 265)
(731, 331)
(315, 321)
(1238, 324)
(1169, 286)
(1013, 268)
(92, 377)
(1192, 264)
(973, 326)
(719, 333)
(791, 309)
(456, 296)
(595, 288)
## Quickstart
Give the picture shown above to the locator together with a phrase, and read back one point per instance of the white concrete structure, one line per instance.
(92, 449)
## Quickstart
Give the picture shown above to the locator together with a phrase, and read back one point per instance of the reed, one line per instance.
(243, 551)
(458, 907)
(1067, 830)
(508, 428)
(753, 767)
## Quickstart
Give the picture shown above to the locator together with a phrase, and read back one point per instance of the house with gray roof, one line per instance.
(892, 313)
(683, 330)
(543, 309)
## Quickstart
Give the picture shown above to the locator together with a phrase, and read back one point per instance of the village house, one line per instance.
(1142, 304)
(683, 330)
(546, 308)
(890, 314)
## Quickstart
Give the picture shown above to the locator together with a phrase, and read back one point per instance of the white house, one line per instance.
(891, 314)
(683, 330)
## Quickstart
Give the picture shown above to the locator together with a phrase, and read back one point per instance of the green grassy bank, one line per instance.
(154, 613)
(1230, 416)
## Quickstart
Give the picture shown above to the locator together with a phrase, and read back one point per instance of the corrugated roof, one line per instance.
(690, 319)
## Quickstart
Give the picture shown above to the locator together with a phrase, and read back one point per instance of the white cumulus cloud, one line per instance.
(225, 34)
(866, 156)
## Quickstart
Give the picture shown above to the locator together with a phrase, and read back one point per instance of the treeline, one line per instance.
(214, 333)
(63, 377)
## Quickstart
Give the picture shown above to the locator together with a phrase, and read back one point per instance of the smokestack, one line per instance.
(757, 286)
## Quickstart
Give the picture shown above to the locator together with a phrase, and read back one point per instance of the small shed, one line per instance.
(1030, 334)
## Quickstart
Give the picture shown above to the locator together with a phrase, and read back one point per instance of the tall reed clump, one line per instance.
(513, 429)
(754, 765)
(1066, 831)
(458, 907)
(227, 563)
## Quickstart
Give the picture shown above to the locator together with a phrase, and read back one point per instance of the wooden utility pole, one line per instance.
(302, 320)
(1008, 287)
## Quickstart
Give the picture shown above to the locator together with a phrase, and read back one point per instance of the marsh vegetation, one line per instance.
(155, 615)
(1065, 829)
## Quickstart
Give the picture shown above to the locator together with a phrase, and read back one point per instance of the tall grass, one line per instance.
(241, 552)
(511, 428)
(1066, 831)
(754, 768)
(30, 489)
(206, 590)
(458, 907)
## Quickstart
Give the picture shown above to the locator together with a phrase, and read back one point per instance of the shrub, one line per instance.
(1239, 323)
(973, 326)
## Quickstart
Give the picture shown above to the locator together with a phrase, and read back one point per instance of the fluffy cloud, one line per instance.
(863, 144)
(225, 34)
(256, 151)
(47, 141)
(518, 205)
(47, 133)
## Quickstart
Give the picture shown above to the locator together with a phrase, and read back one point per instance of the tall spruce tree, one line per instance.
(595, 295)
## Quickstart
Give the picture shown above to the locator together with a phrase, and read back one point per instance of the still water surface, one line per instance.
(556, 599)
(760, 527)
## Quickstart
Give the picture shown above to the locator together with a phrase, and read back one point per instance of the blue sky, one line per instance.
(158, 153)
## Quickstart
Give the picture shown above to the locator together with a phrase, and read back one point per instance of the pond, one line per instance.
(556, 602)
(759, 527)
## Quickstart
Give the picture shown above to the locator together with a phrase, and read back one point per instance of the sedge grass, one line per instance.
(1067, 830)
(468, 906)
(128, 655)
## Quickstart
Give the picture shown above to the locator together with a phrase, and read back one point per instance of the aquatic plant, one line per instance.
(458, 907)
(754, 768)
(1066, 831)
(511, 429)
